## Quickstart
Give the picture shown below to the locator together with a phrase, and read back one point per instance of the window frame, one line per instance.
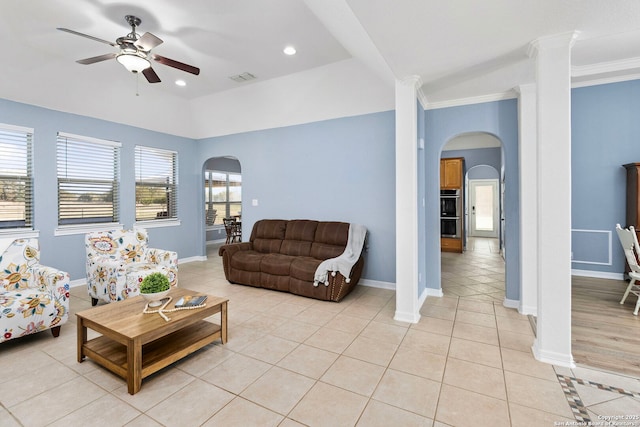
(23, 143)
(227, 203)
(172, 207)
(79, 143)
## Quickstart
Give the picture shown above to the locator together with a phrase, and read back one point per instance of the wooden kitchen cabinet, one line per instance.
(452, 213)
(451, 173)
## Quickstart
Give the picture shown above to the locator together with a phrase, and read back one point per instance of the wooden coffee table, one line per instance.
(134, 345)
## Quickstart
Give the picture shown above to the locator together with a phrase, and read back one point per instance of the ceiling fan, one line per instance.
(135, 52)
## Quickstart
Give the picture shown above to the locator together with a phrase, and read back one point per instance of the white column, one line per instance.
(553, 79)
(407, 309)
(528, 167)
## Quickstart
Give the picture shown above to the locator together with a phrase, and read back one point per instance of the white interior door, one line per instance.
(483, 207)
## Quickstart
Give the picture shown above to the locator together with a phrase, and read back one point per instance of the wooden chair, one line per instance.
(233, 230)
(631, 247)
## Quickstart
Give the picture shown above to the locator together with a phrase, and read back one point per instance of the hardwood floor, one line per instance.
(605, 334)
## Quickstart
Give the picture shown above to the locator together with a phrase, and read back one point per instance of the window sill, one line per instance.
(19, 233)
(157, 223)
(68, 230)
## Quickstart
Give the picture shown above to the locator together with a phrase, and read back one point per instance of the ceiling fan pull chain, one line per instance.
(137, 83)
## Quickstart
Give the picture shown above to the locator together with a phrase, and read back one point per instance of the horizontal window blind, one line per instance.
(88, 180)
(156, 183)
(16, 177)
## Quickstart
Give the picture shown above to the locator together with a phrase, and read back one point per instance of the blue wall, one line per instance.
(334, 170)
(479, 156)
(68, 252)
(501, 120)
(605, 128)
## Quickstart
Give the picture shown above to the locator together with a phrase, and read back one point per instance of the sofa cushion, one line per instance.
(304, 268)
(267, 235)
(247, 260)
(267, 246)
(269, 229)
(276, 264)
(298, 237)
(332, 233)
(330, 240)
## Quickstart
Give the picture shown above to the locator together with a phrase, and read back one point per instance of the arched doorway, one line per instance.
(482, 217)
(222, 195)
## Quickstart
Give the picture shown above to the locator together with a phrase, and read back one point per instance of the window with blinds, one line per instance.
(88, 180)
(16, 179)
(156, 184)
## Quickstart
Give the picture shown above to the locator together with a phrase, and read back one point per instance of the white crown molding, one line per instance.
(422, 98)
(605, 67)
(510, 94)
(553, 41)
(606, 80)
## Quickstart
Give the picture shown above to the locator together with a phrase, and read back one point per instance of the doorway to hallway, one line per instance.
(477, 273)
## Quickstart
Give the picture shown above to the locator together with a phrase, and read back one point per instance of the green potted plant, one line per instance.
(154, 287)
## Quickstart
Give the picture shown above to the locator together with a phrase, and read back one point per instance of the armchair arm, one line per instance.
(106, 270)
(162, 257)
(49, 279)
(167, 259)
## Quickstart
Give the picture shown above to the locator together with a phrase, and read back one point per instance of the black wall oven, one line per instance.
(450, 213)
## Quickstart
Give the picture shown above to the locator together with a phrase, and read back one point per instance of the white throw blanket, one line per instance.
(343, 263)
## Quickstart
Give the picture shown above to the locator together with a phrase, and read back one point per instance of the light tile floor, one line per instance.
(293, 361)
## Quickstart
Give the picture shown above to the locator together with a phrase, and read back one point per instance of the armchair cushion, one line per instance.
(33, 297)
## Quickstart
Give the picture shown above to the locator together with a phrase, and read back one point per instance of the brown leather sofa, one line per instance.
(284, 255)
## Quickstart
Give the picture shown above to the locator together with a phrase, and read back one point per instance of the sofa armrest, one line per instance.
(232, 248)
(227, 251)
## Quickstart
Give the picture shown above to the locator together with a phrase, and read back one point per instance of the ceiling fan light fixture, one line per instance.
(133, 62)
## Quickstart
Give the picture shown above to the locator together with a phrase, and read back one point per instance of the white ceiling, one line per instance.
(460, 49)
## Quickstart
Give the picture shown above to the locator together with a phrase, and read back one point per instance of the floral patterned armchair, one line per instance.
(118, 260)
(33, 297)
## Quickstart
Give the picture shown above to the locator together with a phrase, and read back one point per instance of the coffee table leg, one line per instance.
(223, 323)
(82, 338)
(134, 366)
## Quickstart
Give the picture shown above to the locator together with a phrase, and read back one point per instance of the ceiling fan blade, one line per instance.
(151, 75)
(66, 30)
(95, 59)
(175, 64)
(147, 42)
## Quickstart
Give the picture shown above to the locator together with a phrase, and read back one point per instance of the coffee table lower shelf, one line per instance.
(157, 354)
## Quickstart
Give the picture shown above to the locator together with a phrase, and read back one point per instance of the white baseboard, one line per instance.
(431, 292)
(78, 282)
(377, 284)
(528, 310)
(552, 357)
(406, 317)
(597, 274)
(192, 259)
(511, 303)
(215, 242)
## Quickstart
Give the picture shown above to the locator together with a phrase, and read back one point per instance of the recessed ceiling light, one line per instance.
(289, 50)
(181, 83)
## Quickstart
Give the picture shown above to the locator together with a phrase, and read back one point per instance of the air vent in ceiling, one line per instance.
(242, 77)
